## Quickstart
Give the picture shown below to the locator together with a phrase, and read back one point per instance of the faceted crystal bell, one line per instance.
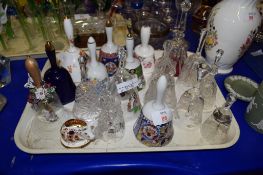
(215, 129)
(191, 104)
(188, 76)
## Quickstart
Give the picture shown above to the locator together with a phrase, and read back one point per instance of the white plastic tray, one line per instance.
(36, 137)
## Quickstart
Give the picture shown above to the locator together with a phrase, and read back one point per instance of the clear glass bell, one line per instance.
(178, 51)
(87, 97)
(98, 105)
(191, 104)
(215, 129)
(111, 125)
(124, 85)
(208, 86)
(188, 76)
(163, 66)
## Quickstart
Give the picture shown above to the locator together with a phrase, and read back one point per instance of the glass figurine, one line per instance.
(215, 129)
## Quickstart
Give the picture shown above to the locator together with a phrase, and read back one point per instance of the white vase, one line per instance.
(231, 27)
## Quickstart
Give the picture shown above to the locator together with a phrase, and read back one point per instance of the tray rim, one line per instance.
(120, 150)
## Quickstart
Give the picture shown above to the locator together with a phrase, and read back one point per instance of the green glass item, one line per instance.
(39, 16)
(2, 41)
(9, 30)
(22, 21)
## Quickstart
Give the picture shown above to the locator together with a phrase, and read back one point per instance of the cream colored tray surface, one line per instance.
(34, 136)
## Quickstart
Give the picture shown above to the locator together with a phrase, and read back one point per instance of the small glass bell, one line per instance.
(163, 66)
(125, 84)
(215, 129)
(191, 104)
(208, 86)
(178, 51)
(188, 75)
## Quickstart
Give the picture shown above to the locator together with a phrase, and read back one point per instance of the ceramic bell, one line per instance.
(69, 58)
(133, 65)
(95, 69)
(109, 51)
(154, 126)
(145, 52)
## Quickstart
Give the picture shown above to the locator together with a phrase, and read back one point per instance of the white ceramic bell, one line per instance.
(145, 52)
(154, 126)
(109, 52)
(157, 104)
(95, 69)
(231, 27)
(133, 65)
(69, 58)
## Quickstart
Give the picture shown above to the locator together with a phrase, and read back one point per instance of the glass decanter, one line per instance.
(188, 74)
(208, 86)
(215, 129)
(163, 66)
(178, 53)
(191, 104)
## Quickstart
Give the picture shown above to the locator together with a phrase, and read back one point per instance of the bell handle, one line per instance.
(33, 70)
